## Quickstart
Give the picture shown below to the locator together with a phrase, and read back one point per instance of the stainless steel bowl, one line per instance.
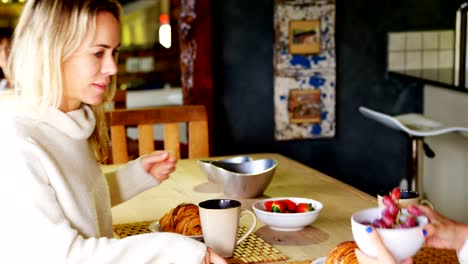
(205, 165)
(244, 180)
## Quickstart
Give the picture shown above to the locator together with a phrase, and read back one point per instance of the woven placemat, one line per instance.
(428, 255)
(252, 250)
(130, 229)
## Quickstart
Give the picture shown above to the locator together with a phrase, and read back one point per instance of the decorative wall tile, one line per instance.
(413, 60)
(430, 59)
(304, 82)
(322, 81)
(413, 41)
(315, 11)
(446, 59)
(422, 50)
(396, 41)
(447, 39)
(396, 60)
(430, 40)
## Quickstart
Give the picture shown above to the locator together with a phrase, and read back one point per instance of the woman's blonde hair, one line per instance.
(47, 34)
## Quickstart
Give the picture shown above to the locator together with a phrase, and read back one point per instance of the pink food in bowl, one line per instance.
(401, 242)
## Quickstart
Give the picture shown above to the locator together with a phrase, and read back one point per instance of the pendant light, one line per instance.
(165, 37)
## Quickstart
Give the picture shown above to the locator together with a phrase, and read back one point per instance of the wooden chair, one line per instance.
(169, 116)
(120, 99)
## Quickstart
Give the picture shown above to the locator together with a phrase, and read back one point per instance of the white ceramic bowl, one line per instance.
(402, 243)
(287, 221)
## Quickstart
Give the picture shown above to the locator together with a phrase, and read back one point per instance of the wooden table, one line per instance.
(189, 184)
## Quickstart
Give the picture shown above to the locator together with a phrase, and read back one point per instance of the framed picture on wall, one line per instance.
(304, 36)
(304, 106)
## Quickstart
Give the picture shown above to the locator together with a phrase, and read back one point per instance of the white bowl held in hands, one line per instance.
(402, 242)
(287, 221)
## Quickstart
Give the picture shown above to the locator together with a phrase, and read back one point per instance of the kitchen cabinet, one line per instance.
(442, 78)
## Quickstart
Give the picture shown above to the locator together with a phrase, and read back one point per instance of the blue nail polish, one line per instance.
(369, 229)
(424, 232)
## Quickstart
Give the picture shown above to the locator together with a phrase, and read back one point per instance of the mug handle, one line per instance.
(254, 218)
(426, 202)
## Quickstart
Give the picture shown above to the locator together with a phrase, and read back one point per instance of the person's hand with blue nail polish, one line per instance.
(442, 232)
(383, 255)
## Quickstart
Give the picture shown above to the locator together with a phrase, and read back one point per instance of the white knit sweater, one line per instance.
(55, 202)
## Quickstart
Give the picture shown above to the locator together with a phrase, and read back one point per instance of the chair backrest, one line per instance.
(120, 99)
(169, 116)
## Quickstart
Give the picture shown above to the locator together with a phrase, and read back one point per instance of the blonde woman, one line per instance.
(56, 205)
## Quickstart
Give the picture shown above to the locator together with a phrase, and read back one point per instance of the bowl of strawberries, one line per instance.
(287, 213)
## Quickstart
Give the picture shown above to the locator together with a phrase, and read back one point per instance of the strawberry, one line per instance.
(278, 207)
(290, 205)
(268, 205)
(304, 207)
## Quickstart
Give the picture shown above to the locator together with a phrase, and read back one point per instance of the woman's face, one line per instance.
(4, 52)
(88, 71)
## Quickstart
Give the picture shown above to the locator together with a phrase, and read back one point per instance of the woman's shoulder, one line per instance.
(13, 118)
(17, 124)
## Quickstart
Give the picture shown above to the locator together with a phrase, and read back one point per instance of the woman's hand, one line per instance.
(212, 258)
(160, 164)
(383, 255)
(442, 232)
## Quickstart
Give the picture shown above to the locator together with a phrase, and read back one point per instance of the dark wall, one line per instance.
(363, 153)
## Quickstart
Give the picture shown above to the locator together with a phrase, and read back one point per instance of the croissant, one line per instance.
(184, 210)
(189, 226)
(183, 219)
(343, 253)
(166, 223)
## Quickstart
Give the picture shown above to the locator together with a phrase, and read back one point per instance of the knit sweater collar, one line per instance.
(78, 124)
